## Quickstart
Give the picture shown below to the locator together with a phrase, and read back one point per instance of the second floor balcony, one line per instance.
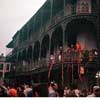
(71, 56)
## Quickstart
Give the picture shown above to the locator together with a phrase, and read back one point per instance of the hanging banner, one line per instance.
(83, 6)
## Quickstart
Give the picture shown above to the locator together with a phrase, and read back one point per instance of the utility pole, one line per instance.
(72, 62)
(62, 70)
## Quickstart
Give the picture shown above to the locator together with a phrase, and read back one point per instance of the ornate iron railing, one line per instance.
(68, 56)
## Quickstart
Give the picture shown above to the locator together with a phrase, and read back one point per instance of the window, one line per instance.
(8, 67)
(1, 66)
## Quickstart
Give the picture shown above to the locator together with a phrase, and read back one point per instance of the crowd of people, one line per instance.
(54, 91)
(50, 90)
(25, 90)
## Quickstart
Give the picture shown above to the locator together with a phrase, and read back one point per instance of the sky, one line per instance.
(13, 15)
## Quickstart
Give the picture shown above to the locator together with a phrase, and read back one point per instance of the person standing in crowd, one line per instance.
(73, 91)
(74, 88)
(20, 91)
(36, 92)
(51, 90)
(28, 92)
(96, 92)
(3, 92)
(12, 92)
(66, 91)
(83, 93)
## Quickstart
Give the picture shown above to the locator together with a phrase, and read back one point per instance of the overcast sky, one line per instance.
(13, 15)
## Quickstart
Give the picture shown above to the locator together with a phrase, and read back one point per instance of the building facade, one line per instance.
(4, 69)
(58, 24)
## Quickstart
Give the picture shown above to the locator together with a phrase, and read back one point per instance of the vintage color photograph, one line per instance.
(50, 48)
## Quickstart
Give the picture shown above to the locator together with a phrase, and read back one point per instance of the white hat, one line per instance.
(96, 87)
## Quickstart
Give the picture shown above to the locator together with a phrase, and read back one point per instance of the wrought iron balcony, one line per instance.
(69, 56)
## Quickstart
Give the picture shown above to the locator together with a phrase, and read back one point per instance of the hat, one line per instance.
(96, 87)
(12, 92)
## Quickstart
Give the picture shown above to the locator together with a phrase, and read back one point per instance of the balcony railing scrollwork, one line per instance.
(69, 56)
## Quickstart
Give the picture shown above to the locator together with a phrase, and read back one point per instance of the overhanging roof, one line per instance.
(10, 45)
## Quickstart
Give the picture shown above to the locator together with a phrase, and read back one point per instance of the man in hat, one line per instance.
(95, 91)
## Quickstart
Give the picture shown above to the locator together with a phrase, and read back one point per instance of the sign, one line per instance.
(83, 6)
